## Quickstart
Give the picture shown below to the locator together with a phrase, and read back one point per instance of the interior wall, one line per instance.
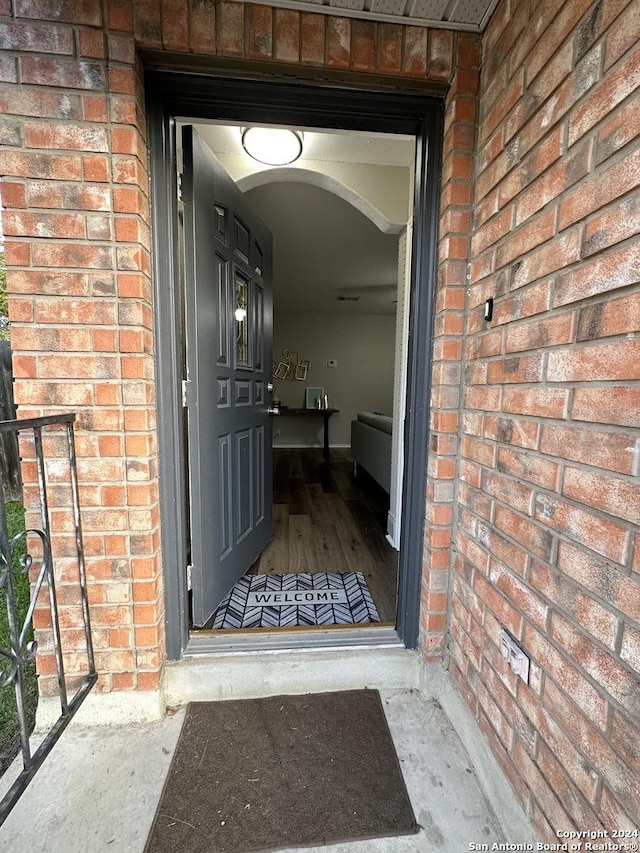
(363, 346)
(546, 543)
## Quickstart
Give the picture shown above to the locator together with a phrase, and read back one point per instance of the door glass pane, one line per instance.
(242, 322)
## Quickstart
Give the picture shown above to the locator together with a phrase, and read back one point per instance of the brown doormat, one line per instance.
(286, 771)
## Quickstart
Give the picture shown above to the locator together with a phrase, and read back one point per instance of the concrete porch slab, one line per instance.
(98, 790)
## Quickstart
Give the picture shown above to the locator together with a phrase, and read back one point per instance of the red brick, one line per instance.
(612, 677)
(619, 498)
(604, 536)
(175, 25)
(602, 99)
(519, 594)
(568, 598)
(606, 405)
(66, 74)
(69, 11)
(92, 43)
(65, 136)
(230, 28)
(389, 54)
(513, 494)
(415, 56)
(534, 126)
(147, 23)
(622, 34)
(72, 255)
(613, 814)
(610, 450)
(122, 80)
(615, 361)
(513, 431)
(202, 26)
(528, 467)
(614, 225)
(538, 402)
(40, 38)
(600, 189)
(95, 108)
(312, 34)
(287, 35)
(33, 165)
(119, 16)
(440, 54)
(527, 368)
(363, 45)
(68, 195)
(13, 194)
(62, 225)
(260, 35)
(22, 100)
(625, 738)
(593, 705)
(16, 254)
(568, 793)
(8, 69)
(338, 33)
(539, 193)
(630, 651)
(468, 52)
(554, 814)
(95, 168)
(541, 262)
(551, 734)
(619, 128)
(523, 531)
(500, 606)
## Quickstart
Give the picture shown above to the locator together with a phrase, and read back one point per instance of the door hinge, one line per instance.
(188, 393)
(180, 190)
(189, 570)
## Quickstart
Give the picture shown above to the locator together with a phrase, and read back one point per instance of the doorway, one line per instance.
(338, 222)
(240, 102)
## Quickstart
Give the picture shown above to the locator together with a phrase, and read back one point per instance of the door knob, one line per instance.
(270, 386)
(273, 410)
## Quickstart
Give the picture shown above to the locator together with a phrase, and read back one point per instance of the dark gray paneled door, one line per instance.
(229, 329)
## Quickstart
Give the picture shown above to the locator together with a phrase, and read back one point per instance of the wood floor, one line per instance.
(326, 521)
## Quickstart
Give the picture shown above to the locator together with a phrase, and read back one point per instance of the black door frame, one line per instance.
(172, 95)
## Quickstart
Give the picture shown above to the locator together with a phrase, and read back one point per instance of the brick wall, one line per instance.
(546, 540)
(76, 220)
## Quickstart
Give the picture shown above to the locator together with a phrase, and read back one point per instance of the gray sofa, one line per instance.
(371, 446)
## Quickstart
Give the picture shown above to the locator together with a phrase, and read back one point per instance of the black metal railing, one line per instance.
(40, 570)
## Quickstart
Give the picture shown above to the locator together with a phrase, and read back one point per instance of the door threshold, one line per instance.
(282, 639)
(209, 675)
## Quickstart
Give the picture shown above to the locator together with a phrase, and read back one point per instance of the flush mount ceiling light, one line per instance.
(274, 146)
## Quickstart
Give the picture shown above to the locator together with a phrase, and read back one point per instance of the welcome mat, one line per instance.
(286, 771)
(277, 601)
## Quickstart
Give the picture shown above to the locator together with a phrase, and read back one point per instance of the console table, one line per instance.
(325, 414)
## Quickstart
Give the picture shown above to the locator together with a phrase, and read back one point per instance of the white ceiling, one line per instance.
(335, 146)
(471, 15)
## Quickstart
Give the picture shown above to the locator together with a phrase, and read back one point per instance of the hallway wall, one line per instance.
(546, 542)
(362, 344)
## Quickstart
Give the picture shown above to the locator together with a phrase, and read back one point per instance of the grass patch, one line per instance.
(9, 724)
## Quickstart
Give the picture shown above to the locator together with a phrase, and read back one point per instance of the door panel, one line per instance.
(228, 309)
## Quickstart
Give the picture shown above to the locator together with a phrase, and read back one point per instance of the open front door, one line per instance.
(229, 329)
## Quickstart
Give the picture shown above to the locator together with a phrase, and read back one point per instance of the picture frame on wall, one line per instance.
(313, 398)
